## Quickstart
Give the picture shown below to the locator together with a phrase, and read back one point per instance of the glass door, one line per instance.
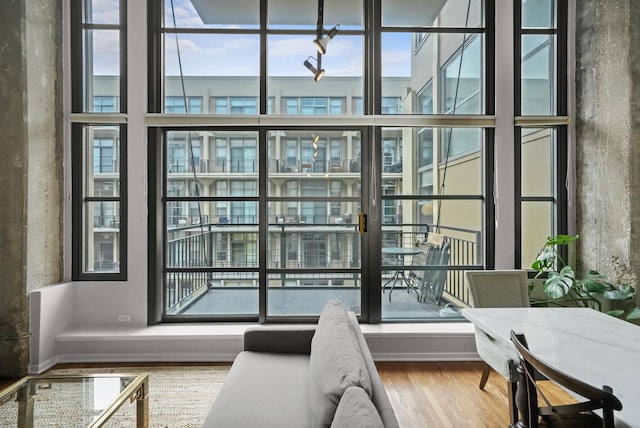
(314, 242)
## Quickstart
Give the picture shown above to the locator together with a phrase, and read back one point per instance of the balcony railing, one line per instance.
(296, 246)
(283, 166)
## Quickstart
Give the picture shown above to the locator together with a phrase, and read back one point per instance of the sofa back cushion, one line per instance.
(335, 364)
(356, 410)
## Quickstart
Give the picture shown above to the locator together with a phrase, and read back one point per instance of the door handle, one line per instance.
(362, 222)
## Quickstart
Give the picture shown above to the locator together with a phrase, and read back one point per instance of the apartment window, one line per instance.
(390, 155)
(291, 105)
(191, 105)
(99, 196)
(336, 190)
(462, 74)
(236, 105)
(183, 153)
(336, 106)
(244, 155)
(425, 99)
(104, 155)
(105, 104)
(357, 105)
(313, 212)
(221, 207)
(420, 39)
(275, 207)
(541, 46)
(99, 206)
(335, 156)
(221, 154)
(391, 105)
(315, 106)
(462, 94)
(425, 147)
(292, 192)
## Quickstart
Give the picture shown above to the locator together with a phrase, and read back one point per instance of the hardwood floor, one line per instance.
(425, 394)
(444, 394)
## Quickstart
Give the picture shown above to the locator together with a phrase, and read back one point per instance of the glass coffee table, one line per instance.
(73, 400)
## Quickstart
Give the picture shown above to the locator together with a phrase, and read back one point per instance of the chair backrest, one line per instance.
(531, 412)
(418, 260)
(438, 253)
(497, 288)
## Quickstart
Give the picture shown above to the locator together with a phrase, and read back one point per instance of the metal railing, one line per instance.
(284, 166)
(296, 246)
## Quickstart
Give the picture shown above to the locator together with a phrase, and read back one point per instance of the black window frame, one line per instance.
(81, 104)
(559, 29)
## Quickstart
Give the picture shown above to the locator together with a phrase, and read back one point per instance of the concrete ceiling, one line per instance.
(305, 12)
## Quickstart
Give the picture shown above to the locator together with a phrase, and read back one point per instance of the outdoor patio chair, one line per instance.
(438, 253)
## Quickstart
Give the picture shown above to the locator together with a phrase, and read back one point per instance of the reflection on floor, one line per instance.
(287, 301)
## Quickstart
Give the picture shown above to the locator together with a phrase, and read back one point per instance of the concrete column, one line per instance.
(31, 174)
(608, 137)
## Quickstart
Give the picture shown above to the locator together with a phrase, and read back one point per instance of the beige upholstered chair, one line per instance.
(498, 289)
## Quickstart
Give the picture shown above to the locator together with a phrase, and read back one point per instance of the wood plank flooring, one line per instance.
(424, 394)
(444, 394)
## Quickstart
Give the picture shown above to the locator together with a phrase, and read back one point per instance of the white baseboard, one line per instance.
(427, 356)
(208, 345)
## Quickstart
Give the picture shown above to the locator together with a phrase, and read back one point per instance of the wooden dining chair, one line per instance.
(579, 414)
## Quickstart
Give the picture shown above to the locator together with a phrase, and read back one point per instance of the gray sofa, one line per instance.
(299, 377)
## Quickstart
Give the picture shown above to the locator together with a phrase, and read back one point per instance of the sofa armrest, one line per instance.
(279, 339)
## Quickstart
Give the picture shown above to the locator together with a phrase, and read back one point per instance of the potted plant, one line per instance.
(565, 288)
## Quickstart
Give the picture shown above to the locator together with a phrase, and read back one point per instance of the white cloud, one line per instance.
(228, 55)
(291, 47)
(105, 12)
(213, 55)
(106, 48)
(396, 63)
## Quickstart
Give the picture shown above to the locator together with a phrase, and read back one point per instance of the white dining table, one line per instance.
(594, 347)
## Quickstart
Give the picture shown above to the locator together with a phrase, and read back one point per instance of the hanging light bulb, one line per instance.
(317, 70)
(321, 43)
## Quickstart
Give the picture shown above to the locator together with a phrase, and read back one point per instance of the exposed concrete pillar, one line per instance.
(31, 175)
(608, 137)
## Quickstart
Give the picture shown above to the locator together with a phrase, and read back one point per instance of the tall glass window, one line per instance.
(542, 193)
(263, 152)
(98, 31)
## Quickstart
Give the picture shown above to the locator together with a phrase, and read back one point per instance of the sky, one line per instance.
(238, 55)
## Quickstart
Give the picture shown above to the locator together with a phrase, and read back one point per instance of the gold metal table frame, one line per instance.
(135, 387)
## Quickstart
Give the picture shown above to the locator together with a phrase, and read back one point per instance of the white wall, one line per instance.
(57, 337)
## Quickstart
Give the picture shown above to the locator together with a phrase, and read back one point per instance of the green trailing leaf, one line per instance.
(594, 282)
(559, 283)
(628, 290)
(561, 239)
(616, 295)
(615, 312)
(634, 314)
(565, 289)
(546, 260)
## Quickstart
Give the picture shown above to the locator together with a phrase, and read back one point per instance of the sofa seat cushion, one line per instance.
(264, 390)
(335, 363)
